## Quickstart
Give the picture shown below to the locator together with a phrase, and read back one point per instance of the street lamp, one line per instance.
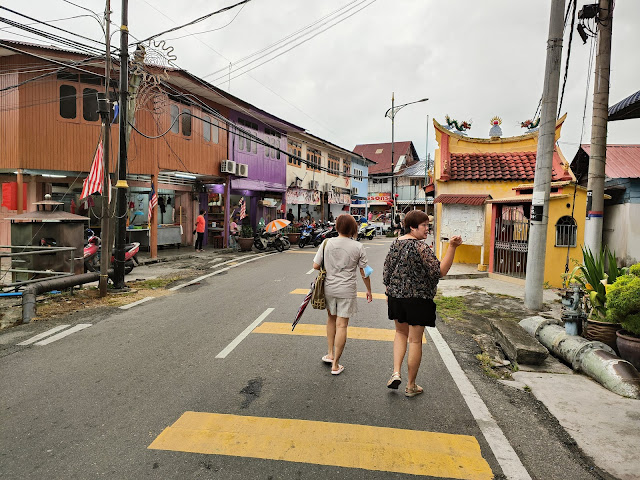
(391, 113)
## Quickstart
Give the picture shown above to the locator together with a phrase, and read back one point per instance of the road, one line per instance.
(210, 382)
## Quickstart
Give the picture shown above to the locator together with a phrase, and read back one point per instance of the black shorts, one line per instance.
(414, 311)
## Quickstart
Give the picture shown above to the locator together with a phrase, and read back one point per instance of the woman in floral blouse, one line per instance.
(411, 274)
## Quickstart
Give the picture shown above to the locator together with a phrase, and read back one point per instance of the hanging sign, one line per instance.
(339, 198)
(298, 196)
(379, 197)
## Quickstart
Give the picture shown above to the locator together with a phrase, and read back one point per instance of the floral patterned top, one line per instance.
(411, 270)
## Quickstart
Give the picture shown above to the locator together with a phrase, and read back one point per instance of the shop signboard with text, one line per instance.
(299, 196)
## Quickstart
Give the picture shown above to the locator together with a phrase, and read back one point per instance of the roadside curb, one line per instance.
(456, 276)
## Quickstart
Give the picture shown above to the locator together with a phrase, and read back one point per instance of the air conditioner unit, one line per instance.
(328, 187)
(228, 166)
(242, 170)
(354, 191)
(313, 184)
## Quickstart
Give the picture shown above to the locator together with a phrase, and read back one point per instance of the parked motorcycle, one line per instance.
(329, 232)
(307, 234)
(92, 250)
(366, 231)
(263, 240)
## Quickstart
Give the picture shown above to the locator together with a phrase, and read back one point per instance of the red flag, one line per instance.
(93, 183)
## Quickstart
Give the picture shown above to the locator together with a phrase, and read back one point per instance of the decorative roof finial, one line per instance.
(496, 131)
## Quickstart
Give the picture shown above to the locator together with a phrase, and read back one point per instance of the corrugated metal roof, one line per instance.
(623, 161)
(626, 109)
(449, 198)
(415, 170)
(381, 154)
(56, 216)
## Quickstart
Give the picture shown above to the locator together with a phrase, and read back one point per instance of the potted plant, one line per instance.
(245, 241)
(593, 278)
(623, 306)
(293, 233)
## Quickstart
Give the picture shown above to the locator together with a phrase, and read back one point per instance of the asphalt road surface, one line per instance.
(210, 382)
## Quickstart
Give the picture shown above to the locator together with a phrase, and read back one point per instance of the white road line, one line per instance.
(43, 335)
(229, 348)
(196, 280)
(311, 271)
(128, 306)
(77, 328)
(511, 465)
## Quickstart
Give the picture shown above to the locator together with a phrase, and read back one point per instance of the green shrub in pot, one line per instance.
(623, 301)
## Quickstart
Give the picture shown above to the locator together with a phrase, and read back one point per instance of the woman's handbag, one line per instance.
(317, 298)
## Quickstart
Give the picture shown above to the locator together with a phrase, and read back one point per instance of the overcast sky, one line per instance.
(472, 59)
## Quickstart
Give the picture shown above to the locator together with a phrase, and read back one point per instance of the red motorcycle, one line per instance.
(92, 254)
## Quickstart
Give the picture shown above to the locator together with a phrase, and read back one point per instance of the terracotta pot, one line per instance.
(604, 332)
(629, 347)
(245, 244)
(293, 238)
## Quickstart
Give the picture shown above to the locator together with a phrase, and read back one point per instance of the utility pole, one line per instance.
(393, 182)
(598, 154)
(544, 161)
(106, 245)
(121, 210)
(426, 167)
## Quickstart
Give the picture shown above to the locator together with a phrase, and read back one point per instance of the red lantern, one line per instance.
(397, 195)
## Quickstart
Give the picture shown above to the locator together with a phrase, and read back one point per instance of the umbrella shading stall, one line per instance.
(276, 225)
(305, 302)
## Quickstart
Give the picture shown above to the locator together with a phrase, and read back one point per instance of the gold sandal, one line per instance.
(395, 381)
(413, 391)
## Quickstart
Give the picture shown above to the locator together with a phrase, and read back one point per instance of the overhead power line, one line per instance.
(292, 38)
(200, 19)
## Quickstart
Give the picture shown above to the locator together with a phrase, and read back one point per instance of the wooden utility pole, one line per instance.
(598, 153)
(104, 234)
(536, 253)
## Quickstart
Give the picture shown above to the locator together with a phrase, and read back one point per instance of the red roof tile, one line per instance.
(383, 158)
(623, 161)
(461, 199)
(501, 166)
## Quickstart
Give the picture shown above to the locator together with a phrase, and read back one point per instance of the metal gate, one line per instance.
(511, 242)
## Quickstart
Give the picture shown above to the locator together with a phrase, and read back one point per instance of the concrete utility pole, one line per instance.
(122, 159)
(106, 245)
(544, 162)
(598, 154)
(426, 168)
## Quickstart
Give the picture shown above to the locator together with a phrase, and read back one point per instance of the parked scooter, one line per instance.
(306, 235)
(329, 232)
(92, 252)
(263, 240)
(366, 231)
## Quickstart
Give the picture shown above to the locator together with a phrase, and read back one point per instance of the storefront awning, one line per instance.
(526, 198)
(450, 198)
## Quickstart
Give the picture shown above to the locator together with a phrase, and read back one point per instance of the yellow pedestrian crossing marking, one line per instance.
(377, 296)
(315, 330)
(323, 443)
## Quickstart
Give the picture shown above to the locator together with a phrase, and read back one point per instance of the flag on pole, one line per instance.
(153, 201)
(243, 208)
(93, 183)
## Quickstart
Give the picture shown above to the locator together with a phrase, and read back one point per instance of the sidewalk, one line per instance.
(605, 425)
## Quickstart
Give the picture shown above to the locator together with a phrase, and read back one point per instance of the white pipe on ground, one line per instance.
(593, 358)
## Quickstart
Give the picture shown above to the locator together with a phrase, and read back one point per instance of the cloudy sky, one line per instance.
(472, 59)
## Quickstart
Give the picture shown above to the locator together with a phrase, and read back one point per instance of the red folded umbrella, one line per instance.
(305, 302)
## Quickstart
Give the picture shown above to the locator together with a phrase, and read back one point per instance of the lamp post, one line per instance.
(391, 113)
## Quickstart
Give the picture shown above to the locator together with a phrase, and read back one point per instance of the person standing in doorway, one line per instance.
(200, 228)
(290, 216)
(331, 217)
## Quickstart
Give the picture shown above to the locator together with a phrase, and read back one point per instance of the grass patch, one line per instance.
(485, 362)
(154, 282)
(450, 307)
